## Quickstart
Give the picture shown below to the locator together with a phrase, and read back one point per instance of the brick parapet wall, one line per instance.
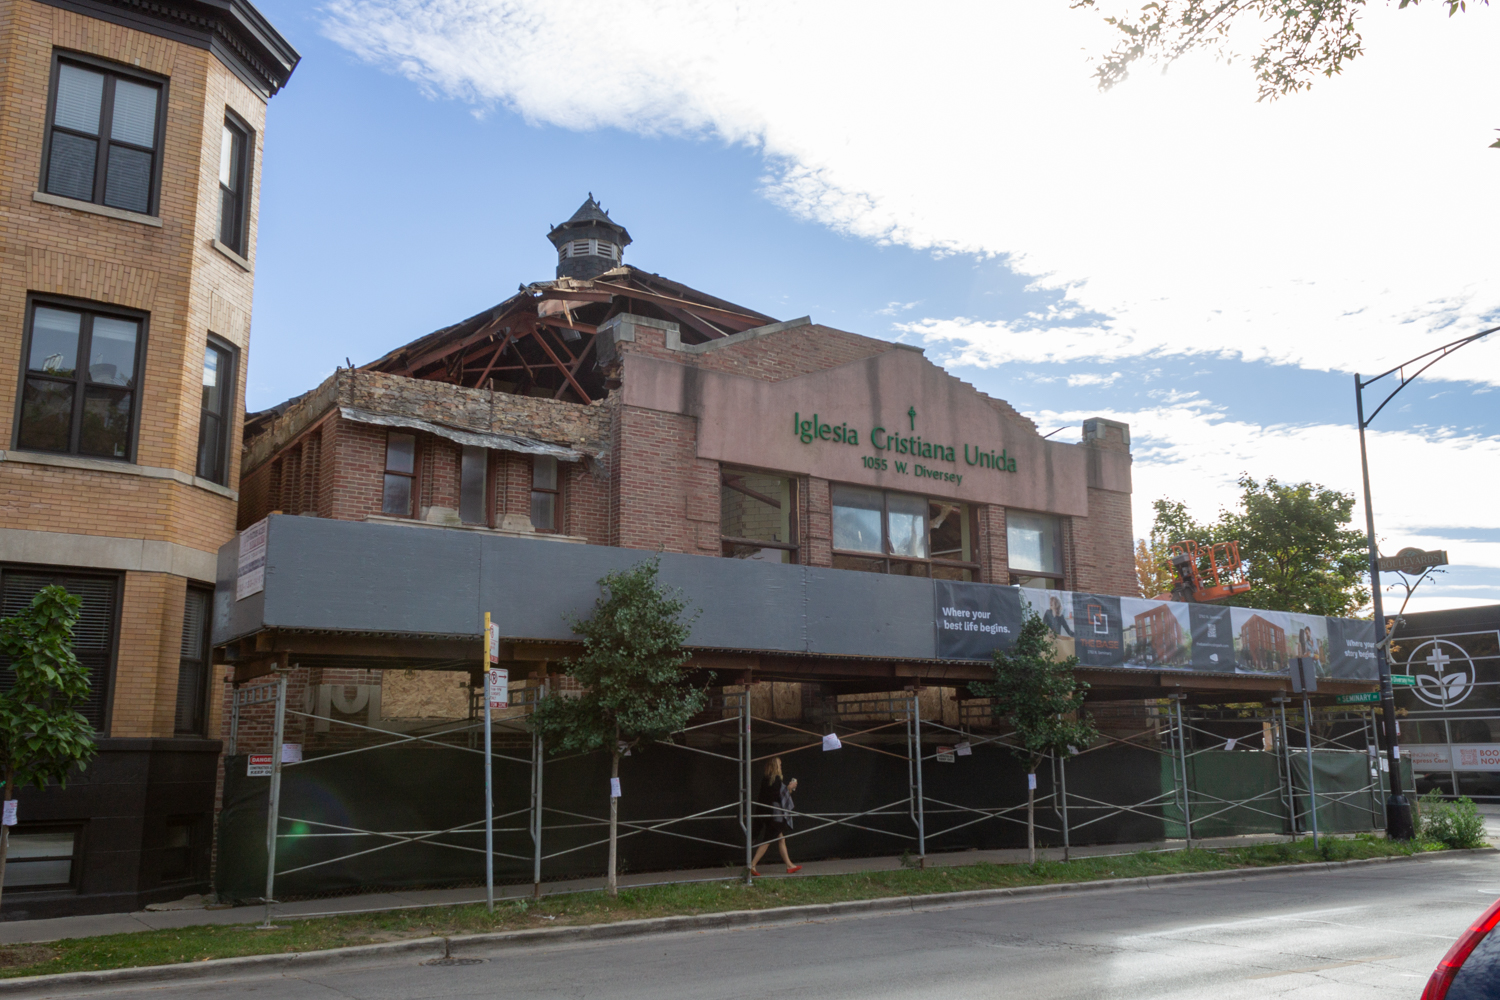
(993, 564)
(663, 495)
(1103, 546)
(574, 425)
(773, 357)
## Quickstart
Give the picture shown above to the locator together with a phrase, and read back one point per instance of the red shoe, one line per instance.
(755, 873)
(793, 869)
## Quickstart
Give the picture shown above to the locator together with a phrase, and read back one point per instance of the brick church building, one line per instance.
(614, 407)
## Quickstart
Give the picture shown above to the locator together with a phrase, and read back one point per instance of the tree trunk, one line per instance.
(1031, 815)
(614, 814)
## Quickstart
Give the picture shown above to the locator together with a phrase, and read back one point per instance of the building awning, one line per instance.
(475, 439)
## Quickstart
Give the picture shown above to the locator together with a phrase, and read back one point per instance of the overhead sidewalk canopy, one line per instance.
(378, 595)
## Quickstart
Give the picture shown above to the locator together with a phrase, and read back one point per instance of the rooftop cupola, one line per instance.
(589, 243)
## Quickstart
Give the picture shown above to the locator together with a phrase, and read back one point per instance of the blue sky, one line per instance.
(421, 150)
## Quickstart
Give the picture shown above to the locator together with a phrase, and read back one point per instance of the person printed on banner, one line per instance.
(776, 822)
(1062, 632)
(1054, 618)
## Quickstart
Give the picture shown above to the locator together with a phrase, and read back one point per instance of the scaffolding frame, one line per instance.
(1168, 735)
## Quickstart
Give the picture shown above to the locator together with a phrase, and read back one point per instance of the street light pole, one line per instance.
(1398, 823)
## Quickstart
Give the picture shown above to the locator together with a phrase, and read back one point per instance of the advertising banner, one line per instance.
(1101, 640)
(975, 619)
(1351, 649)
(1213, 638)
(1466, 757)
(1156, 633)
(1102, 630)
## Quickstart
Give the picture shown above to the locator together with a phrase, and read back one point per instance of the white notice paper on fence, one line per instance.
(10, 813)
(499, 687)
(1031, 782)
(614, 788)
(1230, 744)
(291, 753)
(1385, 764)
(831, 742)
(963, 749)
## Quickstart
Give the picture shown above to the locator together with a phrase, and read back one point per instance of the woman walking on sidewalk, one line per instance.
(776, 797)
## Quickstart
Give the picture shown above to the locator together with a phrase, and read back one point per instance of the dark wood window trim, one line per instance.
(486, 517)
(214, 428)
(556, 494)
(194, 667)
(113, 72)
(101, 708)
(727, 479)
(80, 379)
(234, 196)
(414, 476)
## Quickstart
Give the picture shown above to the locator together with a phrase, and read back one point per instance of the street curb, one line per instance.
(473, 944)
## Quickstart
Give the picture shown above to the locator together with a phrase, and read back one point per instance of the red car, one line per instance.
(1471, 969)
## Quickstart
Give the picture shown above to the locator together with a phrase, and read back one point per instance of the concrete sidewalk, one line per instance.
(20, 931)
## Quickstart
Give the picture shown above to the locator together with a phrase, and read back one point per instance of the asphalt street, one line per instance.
(1363, 932)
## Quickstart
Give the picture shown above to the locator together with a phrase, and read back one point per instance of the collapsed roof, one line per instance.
(540, 341)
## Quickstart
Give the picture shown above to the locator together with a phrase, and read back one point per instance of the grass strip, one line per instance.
(194, 944)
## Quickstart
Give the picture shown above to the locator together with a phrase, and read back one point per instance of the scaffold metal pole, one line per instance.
(489, 786)
(916, 723)
(747, 784)
(273, 810)
(1187, 785)
(1062, 775)
(537, 752)
(234, 716)
(1312, 790)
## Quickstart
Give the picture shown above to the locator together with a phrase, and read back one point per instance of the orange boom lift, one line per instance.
(1221, 560)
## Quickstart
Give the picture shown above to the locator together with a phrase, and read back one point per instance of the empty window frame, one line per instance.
(42, 858)
(1033, 547)
(177, 843)
(473, 482)
(78, 381)
(235, 147)
(215, 412)
(192, 666)
(399, 491)
(104, 135)
(94, 635)
(758, 515)
(881, 531)
(546, 494)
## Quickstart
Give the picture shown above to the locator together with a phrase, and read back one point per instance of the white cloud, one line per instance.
(1421, 483)
(1093, 379)
(1337, 229)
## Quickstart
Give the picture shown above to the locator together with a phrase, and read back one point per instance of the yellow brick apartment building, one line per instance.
(130, 155)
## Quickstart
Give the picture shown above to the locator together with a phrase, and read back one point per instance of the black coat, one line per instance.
(775, 814)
